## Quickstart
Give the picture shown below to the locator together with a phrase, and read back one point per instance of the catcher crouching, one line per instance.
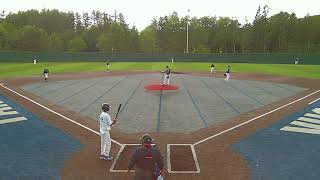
(147, 160)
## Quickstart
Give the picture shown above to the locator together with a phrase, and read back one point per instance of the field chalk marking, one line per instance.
(314, 101)
(253, 119)
(54, 112)
(117, 157)
(194, 158)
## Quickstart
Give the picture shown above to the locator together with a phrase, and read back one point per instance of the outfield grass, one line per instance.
(29, 69)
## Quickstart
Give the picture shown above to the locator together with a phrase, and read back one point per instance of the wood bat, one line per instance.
(118, 111)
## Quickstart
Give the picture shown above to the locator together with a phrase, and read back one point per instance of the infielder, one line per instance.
(166, 79)
(105, 127)
(46, 74)
(147, 160)
(296, 61)
(108, 66)
(212, 70)
(227, 74)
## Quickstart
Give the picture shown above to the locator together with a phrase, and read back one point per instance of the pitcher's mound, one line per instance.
(161, 87)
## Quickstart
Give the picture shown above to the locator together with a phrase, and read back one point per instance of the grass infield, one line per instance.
(8, 70)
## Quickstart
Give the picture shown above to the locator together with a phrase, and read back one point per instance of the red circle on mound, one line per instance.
(160, 87)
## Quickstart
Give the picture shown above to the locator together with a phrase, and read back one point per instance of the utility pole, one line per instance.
(115, 16)
(187, 50)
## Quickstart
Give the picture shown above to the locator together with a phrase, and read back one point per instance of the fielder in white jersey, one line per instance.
(166, 79)
(212, 70)
(227, 74)
(108, 66)
(105, 127)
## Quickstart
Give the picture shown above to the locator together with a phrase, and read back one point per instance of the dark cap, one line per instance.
(146, 139)
(105, 107)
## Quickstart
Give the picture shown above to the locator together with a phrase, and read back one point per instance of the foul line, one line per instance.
(54, 112)
(314, 101)
(253, 119)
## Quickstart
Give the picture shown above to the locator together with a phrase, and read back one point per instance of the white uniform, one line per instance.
(212, 69)
(166, 79)
(227, 74)
(108, 67)
(105, 127)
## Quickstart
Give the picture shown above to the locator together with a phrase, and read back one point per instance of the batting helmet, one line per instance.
(105, 107)
(146, 138)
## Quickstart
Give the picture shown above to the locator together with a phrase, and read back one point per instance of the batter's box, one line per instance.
(121, 161)
(182, 158)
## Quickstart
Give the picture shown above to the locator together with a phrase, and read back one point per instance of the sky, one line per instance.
(141, 12)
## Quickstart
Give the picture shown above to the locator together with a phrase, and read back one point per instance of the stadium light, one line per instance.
(187, 49)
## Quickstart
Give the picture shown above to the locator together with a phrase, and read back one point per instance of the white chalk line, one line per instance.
(314, 101)
(194, 158)
(253, 119)
(54, 112)
(122, 146)
(116, 159)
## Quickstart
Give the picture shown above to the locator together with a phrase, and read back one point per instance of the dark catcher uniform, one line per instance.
(148, 162)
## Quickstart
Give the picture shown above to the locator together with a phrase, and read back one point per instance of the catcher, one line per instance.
(147, 160)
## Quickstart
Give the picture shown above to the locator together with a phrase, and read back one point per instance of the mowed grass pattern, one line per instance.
(8, 70)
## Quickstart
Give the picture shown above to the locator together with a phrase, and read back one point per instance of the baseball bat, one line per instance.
(118, 111)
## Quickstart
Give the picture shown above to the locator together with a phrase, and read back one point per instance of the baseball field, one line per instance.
(261, 124)
(29, 69)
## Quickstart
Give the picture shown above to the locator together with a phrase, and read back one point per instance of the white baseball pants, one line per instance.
(105, 143)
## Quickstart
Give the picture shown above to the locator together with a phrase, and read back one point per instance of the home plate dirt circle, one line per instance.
(198, 101)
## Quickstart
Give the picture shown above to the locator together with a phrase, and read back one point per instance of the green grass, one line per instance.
(8, 70)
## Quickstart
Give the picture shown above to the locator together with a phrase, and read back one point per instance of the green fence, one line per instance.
(313, 58)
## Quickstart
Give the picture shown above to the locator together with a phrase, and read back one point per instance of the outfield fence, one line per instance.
(261, 58)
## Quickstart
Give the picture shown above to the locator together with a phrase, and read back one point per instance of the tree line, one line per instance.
(53, 30)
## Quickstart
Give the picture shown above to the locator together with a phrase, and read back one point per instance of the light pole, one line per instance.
(234, 34)
(187, 50)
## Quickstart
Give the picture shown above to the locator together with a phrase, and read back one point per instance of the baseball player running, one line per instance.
(105, 127)
(147, 160)
(166, 79)
(46, 74)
